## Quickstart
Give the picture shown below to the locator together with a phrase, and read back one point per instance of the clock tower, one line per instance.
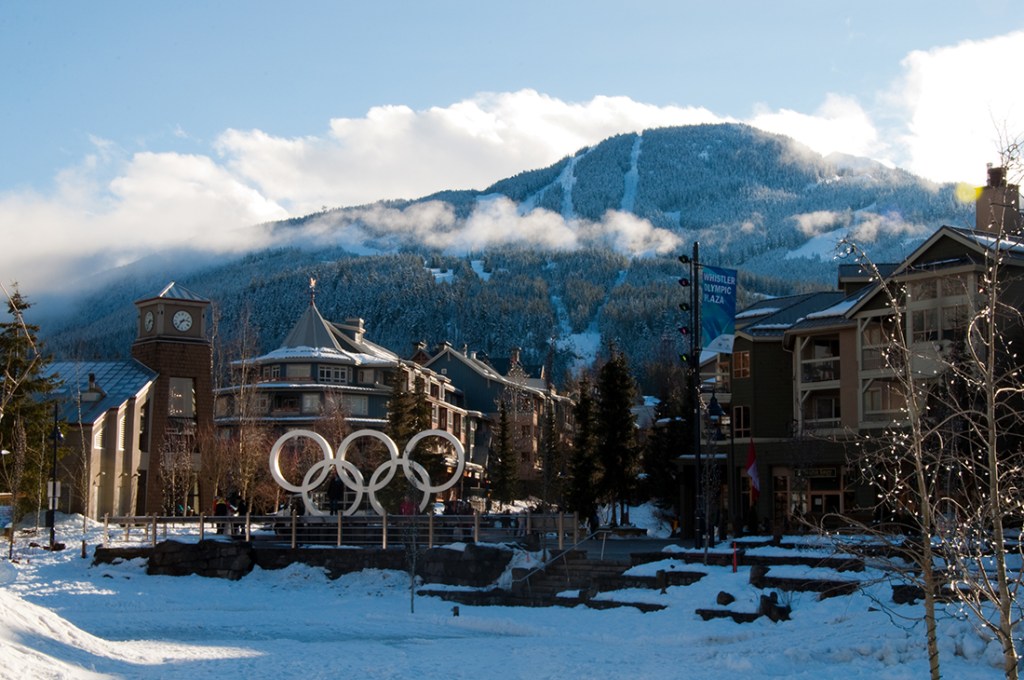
(172, 340)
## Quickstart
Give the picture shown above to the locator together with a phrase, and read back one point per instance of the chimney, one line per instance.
(93, 392)
(998, 207)
(513, 359)
(355, 324)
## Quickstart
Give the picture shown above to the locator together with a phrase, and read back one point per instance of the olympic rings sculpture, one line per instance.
(353, 478)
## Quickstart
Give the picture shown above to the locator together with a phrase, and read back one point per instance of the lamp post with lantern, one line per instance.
(54, 491)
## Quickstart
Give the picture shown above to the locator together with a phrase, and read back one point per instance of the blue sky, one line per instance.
(127, 127)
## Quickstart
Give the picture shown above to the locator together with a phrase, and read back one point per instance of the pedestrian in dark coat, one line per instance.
(335, 491)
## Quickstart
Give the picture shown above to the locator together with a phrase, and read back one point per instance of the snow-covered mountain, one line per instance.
(582, 249)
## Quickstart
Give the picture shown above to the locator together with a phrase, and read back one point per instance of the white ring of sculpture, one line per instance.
(352, 478)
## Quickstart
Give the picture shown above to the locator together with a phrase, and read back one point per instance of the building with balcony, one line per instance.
(324, 371)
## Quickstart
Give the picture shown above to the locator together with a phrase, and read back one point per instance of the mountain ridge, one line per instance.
(587, 242)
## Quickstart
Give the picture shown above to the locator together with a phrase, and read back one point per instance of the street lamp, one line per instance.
(714, 413)
(51, 515)
(691, 359)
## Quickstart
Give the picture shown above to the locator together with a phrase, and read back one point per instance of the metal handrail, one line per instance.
(561, 555)
(470, 526)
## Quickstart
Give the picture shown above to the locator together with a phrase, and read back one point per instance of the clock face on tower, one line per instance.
(149, 321)
(182, 320)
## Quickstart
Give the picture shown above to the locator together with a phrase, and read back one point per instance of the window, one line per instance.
(333, 374)
(311, 403)
(143, 424)
(442, 418)
(262, 403)
(881, 399)
(954, 322)
(954, 285)
(922, 290)
(182, 398)
(875, 343)
(924, 324)
(121, 432)
(741, 364)
(435, 390)
(221, 407)
(286, 402)
(271, 372)
(366, 376)
(457, 424)
(740, 421)
(357, 405)
(723, 372)
(298, 370)
(826, 408)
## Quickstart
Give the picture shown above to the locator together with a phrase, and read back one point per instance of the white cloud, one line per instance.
(821, 221)
(395, 152)
(839, 125)
(495, 221)
(154, 201)
(956, 103)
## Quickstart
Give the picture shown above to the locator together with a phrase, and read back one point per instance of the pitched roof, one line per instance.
(973, 241)
(174, 291)
(115, 382)
(789, 311)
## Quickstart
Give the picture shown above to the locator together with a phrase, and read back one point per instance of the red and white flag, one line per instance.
(755, 482)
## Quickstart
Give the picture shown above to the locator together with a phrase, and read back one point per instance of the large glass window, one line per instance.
(298, 370)
(182, 398)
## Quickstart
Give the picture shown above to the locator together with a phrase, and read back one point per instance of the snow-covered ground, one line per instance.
(61, 617)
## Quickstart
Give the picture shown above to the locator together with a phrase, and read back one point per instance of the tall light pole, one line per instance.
(51, 515)
(692, 361)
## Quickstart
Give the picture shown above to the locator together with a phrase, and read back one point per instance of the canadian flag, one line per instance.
(755, 482)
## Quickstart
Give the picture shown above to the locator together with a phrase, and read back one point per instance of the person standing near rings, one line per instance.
(335, 491)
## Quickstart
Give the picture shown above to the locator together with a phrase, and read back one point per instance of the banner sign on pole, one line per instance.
(717, 309)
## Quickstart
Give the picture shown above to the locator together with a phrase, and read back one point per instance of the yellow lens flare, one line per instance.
(967, 193)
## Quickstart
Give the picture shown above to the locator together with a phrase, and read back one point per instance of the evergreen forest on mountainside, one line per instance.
(756, 202)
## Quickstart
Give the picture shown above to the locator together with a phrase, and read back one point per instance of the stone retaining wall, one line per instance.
(475, 566)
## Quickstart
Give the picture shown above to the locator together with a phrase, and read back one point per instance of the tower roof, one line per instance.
(311, 330)
(174, 291)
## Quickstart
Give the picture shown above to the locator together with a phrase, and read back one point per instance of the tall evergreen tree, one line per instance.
(584, 468)
(505, 460)
(616, 427)
(26, 417)
(408, 415)
(552, 458)
(667, 440)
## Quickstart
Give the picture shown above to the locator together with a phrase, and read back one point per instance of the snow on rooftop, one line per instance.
(760, 311)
